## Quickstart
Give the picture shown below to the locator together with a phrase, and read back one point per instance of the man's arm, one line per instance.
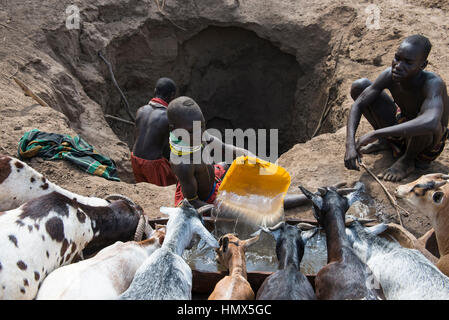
(427, 122)
(366, 98)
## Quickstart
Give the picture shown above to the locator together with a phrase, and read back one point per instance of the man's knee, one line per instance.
(358, 86)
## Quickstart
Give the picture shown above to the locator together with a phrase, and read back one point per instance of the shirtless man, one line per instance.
(151, 151)
(199, 183)
(413, 124)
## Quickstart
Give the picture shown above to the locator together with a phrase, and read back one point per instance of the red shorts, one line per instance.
(220, 172)
(157, 172)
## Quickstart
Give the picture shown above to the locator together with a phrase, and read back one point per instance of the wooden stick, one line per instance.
(30, 93)
(111, 72)
(390, 197)
(119, 119)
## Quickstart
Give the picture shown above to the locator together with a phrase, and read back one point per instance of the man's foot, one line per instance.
(377, 146)
(423, 165)
(398, 171)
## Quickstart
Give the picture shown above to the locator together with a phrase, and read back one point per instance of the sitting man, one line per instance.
(200, 180)
(413, 124)
(151, 151)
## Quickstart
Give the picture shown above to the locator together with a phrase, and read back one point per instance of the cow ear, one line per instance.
(438, 197)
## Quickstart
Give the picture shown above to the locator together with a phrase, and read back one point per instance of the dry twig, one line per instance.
(390, 197)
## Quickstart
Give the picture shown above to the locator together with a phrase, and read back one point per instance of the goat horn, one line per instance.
(444, 176)
(322, 191)
(205, 208)
(346, 191)
(340, 184)
(280, 224)
(350, 220)
(305, 226)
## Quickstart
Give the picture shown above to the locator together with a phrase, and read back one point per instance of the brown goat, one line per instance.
(231, 254)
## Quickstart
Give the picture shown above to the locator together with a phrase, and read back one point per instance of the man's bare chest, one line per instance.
(408, 100)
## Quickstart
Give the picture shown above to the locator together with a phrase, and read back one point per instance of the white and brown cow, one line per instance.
(20, 183)
(49, 231)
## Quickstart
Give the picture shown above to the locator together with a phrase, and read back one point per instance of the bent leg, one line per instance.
(381, 114)
(406, 163)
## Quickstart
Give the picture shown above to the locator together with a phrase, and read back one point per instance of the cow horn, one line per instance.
(140, 228)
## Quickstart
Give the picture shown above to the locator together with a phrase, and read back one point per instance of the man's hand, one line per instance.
(351, 158)
(365, 140)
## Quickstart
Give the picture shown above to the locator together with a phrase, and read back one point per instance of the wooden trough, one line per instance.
(203, 282)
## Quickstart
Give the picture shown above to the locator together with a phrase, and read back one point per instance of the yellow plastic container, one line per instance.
(254, 188)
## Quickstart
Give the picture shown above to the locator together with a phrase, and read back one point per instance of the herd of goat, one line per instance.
(45, 230)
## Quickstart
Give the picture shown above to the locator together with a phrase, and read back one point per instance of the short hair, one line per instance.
(183, 109)
(421, 41)
(165, 87)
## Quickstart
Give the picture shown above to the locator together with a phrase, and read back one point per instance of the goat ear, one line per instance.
(205, 235)
(307, 235)
(225, 243)
(438, 197)
(249, 242)
(168, 211)
(377, 229)
(317, 200)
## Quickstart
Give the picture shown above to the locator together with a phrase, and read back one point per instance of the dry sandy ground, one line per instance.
(25, 53)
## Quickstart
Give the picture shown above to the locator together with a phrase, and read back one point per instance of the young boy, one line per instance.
(413, 124)
(199, 181)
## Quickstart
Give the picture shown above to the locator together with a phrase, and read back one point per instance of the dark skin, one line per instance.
(421, 96)
(151, 132)
(197, 180)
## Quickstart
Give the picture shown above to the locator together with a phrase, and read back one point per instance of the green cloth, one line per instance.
(53, 146)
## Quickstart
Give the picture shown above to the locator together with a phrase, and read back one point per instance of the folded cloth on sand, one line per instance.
(399, 144)
(220, 172)
(53, 146)
(157, 171)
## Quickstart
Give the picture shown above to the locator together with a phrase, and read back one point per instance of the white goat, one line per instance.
(165, 275)
(104, 276)
(404, 274)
